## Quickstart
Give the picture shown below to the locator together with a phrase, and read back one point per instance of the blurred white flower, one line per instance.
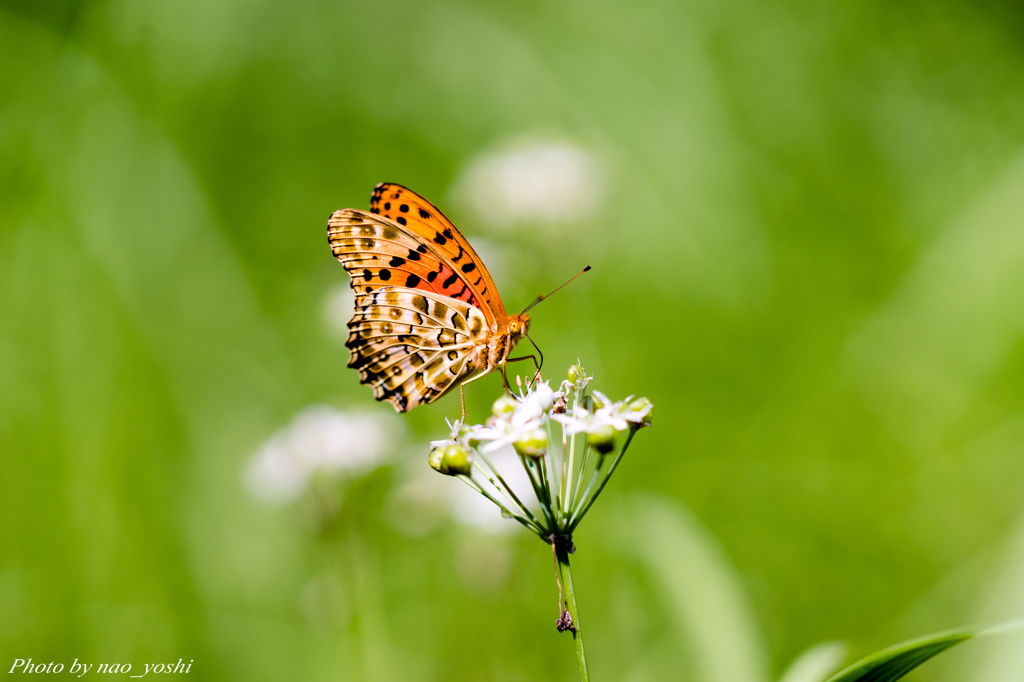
(497, 257)
(338, 308)
(319, 439)
(532, 181)
(420, 504)
(470, 508)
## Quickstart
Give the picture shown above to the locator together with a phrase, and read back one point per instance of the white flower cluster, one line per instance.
(521, 419)
(564, 487)
(607, 414)
(319, 439)
(514, 418)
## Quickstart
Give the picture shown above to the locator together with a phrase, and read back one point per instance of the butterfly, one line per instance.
(427, 314)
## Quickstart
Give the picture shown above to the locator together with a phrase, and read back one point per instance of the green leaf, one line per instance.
(702, 591)
(895, 662)
(816, 663)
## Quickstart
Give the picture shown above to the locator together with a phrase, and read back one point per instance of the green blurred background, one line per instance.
(808, 251)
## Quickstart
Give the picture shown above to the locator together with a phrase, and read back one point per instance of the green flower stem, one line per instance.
(579, 479)
(480, 489)
(566, 490)
(586, 503)
(566, 505)
(576, 513)
(570, 599)
(542, 467)
(489, 478)
(507, 488)
(554, 486)
(372, 633)
(538, 490)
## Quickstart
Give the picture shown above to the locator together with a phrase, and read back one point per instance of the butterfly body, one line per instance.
(427, 314)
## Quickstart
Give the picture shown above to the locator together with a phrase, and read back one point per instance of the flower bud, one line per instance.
(504, 406)
(533, 443)
(577, 376)
(435, 457)
(602, 440)
(451, 460)
(600, 400)
(458, 460)
(644, 409)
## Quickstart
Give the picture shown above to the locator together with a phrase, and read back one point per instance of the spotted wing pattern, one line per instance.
(408, 209)
(412, 346)
(378, 252)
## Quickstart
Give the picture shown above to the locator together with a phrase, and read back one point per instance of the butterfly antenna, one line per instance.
(543, 296)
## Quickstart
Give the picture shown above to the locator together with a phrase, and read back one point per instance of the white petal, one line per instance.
(273, 476)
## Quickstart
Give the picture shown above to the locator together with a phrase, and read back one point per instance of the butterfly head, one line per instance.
(518, 325)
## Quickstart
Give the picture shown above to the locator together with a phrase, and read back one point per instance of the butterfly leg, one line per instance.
(462, 391)
(536, 376)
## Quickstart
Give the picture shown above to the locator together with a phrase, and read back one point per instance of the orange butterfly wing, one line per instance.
(409, 209)
(417, 248)
(413, 348)
(377, 253)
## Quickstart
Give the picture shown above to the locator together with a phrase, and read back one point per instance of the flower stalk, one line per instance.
(573, 624)
(523, 422)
